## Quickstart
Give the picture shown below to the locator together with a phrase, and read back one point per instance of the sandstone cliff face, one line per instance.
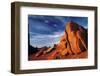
(73, 44)
(74, 40)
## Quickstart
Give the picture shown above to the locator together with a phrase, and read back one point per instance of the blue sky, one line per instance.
(47, 30)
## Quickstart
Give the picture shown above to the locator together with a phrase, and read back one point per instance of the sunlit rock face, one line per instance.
(74, 40)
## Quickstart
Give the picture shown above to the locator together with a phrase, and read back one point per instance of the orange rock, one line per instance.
(76, 37)
(74, 40)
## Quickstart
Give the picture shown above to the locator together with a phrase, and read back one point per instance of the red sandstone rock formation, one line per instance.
(74, 40)
(72, 43)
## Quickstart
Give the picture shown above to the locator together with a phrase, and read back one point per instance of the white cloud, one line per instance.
(41, 40)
